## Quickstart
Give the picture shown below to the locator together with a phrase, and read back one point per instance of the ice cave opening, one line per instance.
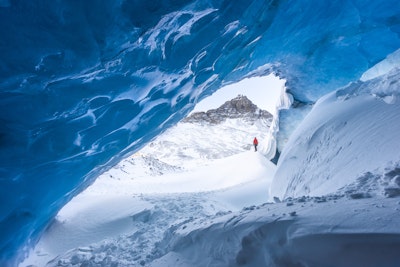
(85, 83)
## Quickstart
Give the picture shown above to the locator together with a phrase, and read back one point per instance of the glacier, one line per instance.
(83, 84)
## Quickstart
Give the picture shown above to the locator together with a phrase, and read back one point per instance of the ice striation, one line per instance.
(83, 84)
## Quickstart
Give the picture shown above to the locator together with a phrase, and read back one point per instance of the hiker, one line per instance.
(255, 143)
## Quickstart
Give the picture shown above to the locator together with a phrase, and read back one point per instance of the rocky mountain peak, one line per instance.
(238, 107)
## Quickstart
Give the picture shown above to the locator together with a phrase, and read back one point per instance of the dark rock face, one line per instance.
(239, 107)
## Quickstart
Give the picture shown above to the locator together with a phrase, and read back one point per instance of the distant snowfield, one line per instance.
(219, 174)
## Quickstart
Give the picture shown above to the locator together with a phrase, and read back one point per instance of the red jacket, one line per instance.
(255, 141)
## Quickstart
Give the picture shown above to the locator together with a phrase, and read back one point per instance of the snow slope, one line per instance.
(123, 220)
(190, 144)
(233, 226)
(304, 232)
(193, 171)
(348, 134)
(218, 213)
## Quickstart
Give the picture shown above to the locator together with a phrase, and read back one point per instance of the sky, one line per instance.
(262, 91)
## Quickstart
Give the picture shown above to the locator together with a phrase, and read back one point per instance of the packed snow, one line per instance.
(225, 219)
(122, 219)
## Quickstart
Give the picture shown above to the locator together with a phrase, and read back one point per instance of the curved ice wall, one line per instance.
(83, 83)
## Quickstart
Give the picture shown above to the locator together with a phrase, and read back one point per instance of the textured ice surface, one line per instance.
(348, 134)
(84, 83)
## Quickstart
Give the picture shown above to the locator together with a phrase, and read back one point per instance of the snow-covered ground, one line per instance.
(228, 223)
(191, 173)
(123, 220)
(337, 186)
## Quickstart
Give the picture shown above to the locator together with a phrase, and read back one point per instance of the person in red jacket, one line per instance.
(255, 143)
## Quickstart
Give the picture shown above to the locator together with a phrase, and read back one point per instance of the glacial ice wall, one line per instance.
(83, 83)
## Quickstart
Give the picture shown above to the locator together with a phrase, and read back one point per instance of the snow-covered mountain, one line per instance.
(238, 108)
(200, 138)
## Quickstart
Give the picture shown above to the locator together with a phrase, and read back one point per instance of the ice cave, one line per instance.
(85, 83)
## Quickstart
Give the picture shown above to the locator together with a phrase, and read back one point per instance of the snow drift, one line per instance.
(130, 210)
(83, 84)
(348, 134)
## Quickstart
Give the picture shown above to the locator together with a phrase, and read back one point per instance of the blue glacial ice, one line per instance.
(85, 83)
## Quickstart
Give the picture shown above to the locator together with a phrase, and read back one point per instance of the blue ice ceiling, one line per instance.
(83, 83)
